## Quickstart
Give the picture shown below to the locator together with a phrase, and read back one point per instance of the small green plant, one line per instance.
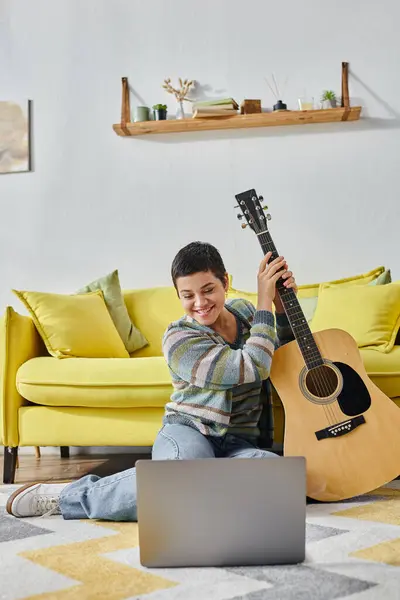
(328, 95)
(159, 107)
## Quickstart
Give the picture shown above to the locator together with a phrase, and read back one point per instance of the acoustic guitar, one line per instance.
(341, 422)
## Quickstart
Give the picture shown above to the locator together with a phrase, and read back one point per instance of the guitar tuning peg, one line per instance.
(237, 206)
(261, 198)
(239, 217)
(244, 225)
(268, 217)
(264, 207)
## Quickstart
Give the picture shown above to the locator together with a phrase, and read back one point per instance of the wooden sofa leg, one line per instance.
(64, 451)
(10, 464)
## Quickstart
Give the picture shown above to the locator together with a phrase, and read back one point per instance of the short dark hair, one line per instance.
(197, 257)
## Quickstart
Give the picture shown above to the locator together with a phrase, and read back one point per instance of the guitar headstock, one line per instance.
(250, 205)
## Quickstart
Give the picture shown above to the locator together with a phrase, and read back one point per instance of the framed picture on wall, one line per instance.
(15, 151)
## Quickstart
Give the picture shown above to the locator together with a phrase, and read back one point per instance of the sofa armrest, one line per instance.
(19, 341)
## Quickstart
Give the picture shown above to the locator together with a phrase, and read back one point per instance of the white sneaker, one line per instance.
(35, 500)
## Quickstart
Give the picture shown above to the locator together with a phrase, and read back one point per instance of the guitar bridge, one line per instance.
(340, 428)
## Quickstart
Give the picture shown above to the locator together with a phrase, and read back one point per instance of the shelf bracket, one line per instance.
(125, 107)
(345, 89)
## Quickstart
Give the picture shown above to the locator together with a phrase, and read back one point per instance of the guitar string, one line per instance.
(319, 381)
(334, 406)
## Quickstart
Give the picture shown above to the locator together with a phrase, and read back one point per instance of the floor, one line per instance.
(55, 468)
(352, 551)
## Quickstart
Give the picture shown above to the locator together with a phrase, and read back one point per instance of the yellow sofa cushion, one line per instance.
(152, 310)
(74, 325)
(308, 305)
(308, 301)
(95, 382)
(110, 286)
(250, 296)
(311, 290)
(371, 314)
(383, 369)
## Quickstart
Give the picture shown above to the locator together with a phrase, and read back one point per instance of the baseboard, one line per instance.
(84, 450)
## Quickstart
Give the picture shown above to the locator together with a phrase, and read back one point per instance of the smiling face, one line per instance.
(202, 296)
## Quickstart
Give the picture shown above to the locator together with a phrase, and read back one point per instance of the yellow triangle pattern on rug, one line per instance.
(386, 552)
(100, 577)
(387, 511)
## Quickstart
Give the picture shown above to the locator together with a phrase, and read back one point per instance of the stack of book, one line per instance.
(224, 107)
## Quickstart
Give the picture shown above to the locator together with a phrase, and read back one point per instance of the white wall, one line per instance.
(96, 201)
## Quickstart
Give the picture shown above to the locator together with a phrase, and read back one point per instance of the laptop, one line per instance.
(217, 512)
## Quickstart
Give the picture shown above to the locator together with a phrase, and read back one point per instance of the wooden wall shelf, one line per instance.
(296, 117)
(271, 119)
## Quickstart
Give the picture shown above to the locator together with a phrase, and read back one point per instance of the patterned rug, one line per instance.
(353, 551)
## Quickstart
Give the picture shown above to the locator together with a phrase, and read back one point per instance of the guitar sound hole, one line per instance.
(322, 381)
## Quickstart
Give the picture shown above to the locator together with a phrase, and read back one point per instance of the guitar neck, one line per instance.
(294, 312)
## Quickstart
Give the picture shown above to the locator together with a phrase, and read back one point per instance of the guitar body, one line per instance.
(348, 430)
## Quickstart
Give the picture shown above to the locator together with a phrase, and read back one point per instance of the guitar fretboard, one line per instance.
(294, 312)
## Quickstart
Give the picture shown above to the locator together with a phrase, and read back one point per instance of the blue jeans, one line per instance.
(113, 498)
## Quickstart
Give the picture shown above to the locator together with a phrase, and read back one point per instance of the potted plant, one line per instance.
(328, 99)
(160, 112)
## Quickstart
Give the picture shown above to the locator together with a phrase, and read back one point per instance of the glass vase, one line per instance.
(180, 113)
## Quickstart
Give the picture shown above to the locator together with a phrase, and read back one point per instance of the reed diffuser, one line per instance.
(277, 93)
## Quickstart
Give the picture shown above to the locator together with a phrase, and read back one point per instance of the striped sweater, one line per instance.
(217, 385)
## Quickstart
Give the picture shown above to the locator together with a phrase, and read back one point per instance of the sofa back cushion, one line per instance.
(76, 325)
(371, 314)
(308, 294)
(152, 310)
(312, 290)
(111, 288)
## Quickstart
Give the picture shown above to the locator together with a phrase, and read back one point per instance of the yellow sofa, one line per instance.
(46, 401)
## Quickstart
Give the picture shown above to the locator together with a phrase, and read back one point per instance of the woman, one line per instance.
(218, 354)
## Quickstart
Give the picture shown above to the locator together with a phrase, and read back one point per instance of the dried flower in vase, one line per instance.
(179, 93)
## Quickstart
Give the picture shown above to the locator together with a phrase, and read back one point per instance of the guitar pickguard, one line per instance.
(354, 397)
